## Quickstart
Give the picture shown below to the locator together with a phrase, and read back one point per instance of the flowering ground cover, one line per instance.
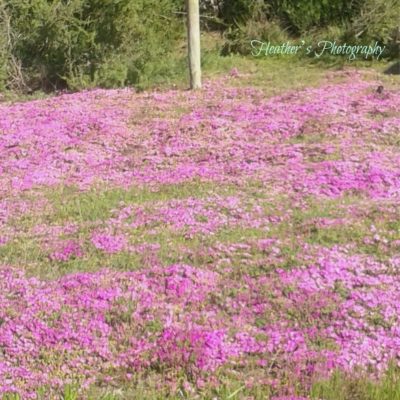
(222, 244)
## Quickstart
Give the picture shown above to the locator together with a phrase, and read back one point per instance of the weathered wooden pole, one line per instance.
(193, 27)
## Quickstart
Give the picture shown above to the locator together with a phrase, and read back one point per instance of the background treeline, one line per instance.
(55, 44)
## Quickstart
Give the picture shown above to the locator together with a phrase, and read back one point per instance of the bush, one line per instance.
(296, 15)
(83, 43)
(239, 10)
(11, 75)
(253, 23)
(378, 20)
(274, 20)
(302, 15)
(237, 39)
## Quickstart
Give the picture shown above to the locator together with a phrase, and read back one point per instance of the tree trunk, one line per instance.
(193, 26)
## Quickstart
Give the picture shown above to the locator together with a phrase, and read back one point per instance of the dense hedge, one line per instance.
(80, 43)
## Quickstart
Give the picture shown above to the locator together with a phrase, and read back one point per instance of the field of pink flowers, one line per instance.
(212, 245)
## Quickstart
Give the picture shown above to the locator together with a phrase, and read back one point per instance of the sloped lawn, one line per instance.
(211, 245)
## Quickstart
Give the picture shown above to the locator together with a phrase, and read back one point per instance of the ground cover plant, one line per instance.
(224, 244)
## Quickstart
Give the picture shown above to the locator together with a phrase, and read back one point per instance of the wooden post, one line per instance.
(193, 27)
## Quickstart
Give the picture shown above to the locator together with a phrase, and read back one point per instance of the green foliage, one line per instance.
(237, 38)
(84, 43)
(352, 22)
(4, 47)
(239, 10)
(70, 393)
(250, 21)
(297, 15)
(303, 15)
(11, 396)
(378, 20)
(3, 63)
(341, 387)
(76, 44)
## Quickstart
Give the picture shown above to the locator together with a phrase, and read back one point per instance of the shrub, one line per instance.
(239, 10)
(237, 39)
(254, 23)
(302, 15)
(273, 20)
(296, 15)
(83, 43)
(378, 20)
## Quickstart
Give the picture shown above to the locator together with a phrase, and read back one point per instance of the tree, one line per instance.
(193, 27)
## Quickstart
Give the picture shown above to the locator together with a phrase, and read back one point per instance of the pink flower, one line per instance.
(109, 243)
(68, 250)
(234, 72)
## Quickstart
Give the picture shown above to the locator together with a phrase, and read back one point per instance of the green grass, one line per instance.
(342, 387)
(93, 208)
(71, 204)
(338, 387)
